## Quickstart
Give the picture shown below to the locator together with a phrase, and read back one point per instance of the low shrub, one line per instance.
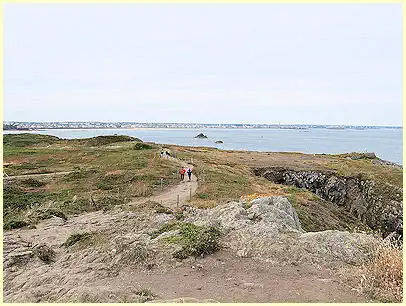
(382, 276)
(195, 240)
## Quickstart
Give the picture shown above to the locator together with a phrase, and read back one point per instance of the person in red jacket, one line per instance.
(182, 172)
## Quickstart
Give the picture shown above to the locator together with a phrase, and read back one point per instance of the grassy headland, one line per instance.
(104, 171)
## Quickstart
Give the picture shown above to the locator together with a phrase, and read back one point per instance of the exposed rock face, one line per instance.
(270, 230)
(378, 206)
(201, 135)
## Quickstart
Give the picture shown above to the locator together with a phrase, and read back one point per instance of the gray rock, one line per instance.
(44, 252)
(270, 230)
(380, 206)
(19, 258)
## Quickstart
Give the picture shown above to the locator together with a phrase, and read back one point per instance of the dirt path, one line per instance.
(224, 277)
(184, 190)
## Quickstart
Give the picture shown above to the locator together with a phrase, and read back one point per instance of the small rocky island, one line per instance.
(201, 135)
(219, 141)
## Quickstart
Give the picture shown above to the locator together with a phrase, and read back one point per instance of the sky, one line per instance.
(204, 63)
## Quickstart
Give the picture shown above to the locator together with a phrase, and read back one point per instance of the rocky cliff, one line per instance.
(379, 205)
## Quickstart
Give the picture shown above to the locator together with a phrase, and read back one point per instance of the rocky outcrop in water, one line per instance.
(379, 206)
(201, 135)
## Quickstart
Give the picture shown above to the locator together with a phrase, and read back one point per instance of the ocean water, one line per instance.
(384, 142)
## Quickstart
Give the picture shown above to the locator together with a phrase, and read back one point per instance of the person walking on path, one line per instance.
(189, 173)
(182, 173)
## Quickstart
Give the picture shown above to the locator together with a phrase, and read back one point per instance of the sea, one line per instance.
(386, 143)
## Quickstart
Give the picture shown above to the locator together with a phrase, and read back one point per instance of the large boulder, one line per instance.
(269, 229)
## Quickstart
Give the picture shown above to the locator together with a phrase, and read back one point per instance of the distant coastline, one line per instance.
(14, 126)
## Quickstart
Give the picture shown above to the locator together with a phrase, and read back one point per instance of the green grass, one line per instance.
(195, 240)
(28, 139)
(13, 224)
(115, 170)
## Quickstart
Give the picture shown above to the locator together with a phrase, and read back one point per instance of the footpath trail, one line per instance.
(184, 190)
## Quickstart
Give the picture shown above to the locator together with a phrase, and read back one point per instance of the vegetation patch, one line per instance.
(195, 240)
(167, 227)
(382, 276)
(203, 195)
(76, 238)
(32, 183)
(28, 139)
(50, 212)
(104, 140)
(145, 294)
(163, 210)
(142, 146)
(13, 224)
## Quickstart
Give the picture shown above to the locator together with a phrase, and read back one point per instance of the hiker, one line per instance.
(189, 173)
(182, 173)
(168, 154)
(162, 153)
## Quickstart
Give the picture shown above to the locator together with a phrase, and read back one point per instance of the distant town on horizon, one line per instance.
(27, 125)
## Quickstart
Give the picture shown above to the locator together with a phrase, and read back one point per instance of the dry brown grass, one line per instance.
(382, 276)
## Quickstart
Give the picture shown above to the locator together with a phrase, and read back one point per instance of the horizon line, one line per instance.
(138, 122)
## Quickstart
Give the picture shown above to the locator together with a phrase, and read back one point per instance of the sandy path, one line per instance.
(184, 190)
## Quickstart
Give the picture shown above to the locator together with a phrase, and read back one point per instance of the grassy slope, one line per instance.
(114, 173)
(227, 175)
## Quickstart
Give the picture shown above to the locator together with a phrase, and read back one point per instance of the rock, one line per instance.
(44, 252)
(201, 135)
(360, 197)
(219, 141)
(277, 236)
(19, 258)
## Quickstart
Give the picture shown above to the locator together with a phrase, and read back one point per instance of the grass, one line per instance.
(196, 241)
(115, 170)
(382, 275)
(32, 183)
(145, 294)
(28, 139)
(14, 224)
(222, 178)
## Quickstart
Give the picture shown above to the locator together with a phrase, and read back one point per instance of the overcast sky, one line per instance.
(259, 63)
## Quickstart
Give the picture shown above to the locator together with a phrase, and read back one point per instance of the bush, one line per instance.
(382, 276)
(197, 241)
(142, 146)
